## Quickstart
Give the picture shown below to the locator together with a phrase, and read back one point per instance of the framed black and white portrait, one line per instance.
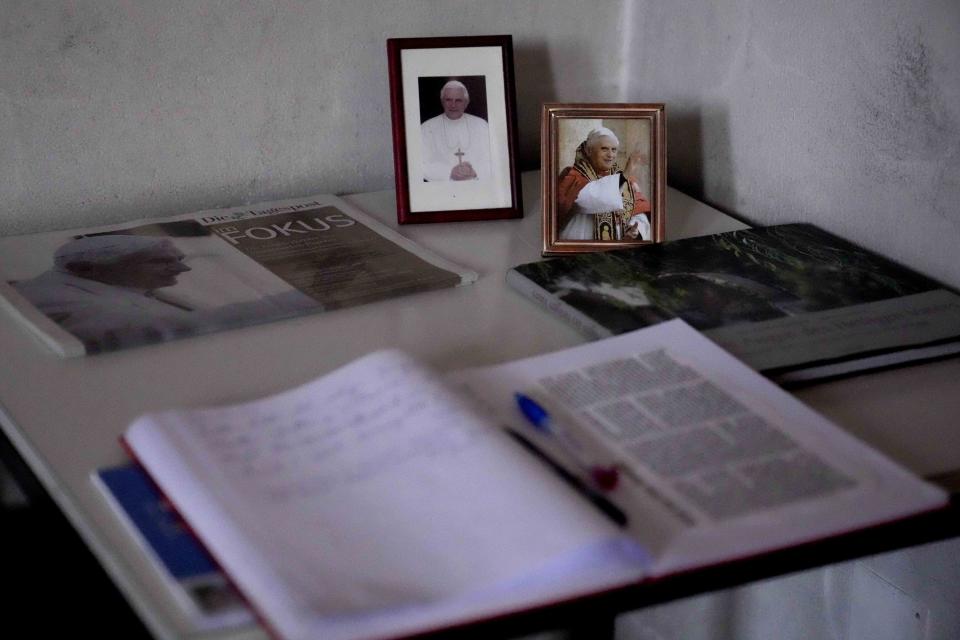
(454, 128)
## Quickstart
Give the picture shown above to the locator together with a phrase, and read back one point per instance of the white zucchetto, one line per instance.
(600, 132)
(105, 249)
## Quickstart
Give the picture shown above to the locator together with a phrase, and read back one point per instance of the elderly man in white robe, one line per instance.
(103, 290)
(595, 200)
(456, 144)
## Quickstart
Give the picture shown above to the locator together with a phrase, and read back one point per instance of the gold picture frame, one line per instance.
(593, 156)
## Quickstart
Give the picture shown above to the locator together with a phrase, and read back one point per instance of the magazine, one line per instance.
(792, 301)
(101, 289)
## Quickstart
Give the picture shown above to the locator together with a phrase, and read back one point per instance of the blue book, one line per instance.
(198, 584)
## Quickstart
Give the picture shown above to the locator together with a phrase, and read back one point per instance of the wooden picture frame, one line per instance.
(579, 200)
(454, 97)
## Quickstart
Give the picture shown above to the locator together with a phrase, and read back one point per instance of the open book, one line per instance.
(384, 499)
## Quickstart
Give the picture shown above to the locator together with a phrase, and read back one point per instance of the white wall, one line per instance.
(844, 114)
(847, 115)
(112, 110)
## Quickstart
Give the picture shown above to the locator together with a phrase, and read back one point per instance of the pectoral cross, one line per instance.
(459, 155)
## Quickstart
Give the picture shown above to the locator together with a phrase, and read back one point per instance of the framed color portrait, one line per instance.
(604, 169)
(454, 128)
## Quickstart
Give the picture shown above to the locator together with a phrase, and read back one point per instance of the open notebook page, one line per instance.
(371, 489)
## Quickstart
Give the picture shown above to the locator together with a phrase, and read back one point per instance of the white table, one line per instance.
(65, 416)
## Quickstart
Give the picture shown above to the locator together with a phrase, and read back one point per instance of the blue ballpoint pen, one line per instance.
(605, 477)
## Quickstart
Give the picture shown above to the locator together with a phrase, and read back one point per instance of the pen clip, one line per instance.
(605, 477)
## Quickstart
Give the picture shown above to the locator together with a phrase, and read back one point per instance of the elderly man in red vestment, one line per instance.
(596, 201)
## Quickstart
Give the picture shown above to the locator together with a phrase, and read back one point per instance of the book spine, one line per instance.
(530, 289)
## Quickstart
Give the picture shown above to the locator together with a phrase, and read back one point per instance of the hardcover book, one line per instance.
(384, 499)
(792, 301)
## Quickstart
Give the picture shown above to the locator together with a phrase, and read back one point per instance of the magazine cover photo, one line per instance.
(91, 291)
